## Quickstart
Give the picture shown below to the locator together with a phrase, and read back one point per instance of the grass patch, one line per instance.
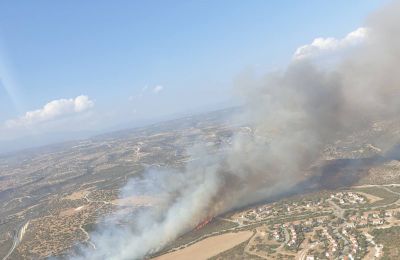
(387, 196)
(236, 252)
(390, 239)
(394, 188)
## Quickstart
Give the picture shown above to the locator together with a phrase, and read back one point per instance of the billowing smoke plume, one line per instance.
(293, 115)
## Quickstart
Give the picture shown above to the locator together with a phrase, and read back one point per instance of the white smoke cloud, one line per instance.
(53, 110)
(324, 45)
(293, 115)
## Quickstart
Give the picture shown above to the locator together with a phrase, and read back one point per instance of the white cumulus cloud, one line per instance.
(323, 45)
(154, 90)
(53, 110)
(157, 89)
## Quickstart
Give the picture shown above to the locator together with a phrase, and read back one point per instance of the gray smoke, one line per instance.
(293, 114)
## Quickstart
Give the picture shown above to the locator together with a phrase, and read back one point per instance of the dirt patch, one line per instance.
(70, 211)
(76, 195)
(371, 198)
(136, 201)
(208, 247)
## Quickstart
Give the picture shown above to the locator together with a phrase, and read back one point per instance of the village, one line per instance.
(337, 225)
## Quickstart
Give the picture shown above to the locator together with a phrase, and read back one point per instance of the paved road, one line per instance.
(339, 212)
(19, 234)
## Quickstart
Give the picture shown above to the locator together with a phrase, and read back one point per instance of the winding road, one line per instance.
(18, 236)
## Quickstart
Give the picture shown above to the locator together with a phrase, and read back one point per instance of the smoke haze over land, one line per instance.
(293, 115)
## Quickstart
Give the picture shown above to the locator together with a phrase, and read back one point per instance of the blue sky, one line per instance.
(117, 52)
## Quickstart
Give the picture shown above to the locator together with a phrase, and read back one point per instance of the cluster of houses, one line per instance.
(290, 229)
(352, 239)
(348, 198)
(331, 235)
(331, 240)
(277, 209)
(277, 234)
(259, 213)
(366, 219)
(289, 233)
(293, 236)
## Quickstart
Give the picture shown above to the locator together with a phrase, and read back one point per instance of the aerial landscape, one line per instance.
(51, 208)
(300, 162)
